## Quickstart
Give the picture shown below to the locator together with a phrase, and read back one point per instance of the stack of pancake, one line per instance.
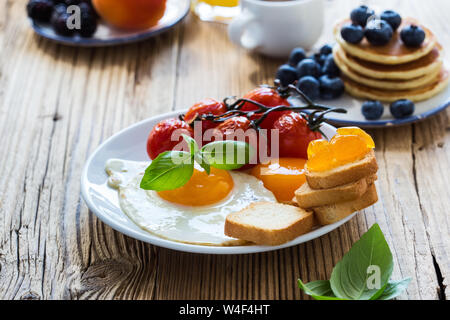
(393, 71)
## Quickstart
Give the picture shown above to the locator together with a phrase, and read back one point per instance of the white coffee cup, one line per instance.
(274, 28)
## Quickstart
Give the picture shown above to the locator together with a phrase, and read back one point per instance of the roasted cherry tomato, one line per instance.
(268, 97)
(206, 106)
(227, 131)
(294, 135)
(160, 138)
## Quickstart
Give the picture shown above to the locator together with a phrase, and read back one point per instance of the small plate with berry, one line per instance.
(96, 23)
(384, 70)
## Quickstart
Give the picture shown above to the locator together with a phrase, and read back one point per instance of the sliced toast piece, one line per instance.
(334, 212)
(269, 223)
(306, 197)
(344, 174)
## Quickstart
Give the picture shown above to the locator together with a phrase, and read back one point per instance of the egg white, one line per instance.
(202, 225)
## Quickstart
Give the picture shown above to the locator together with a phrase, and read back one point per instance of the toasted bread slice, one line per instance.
(306, 197)
(344, 174)
(334, 212)
(269, 223)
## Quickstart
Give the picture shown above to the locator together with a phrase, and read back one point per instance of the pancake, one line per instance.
(395, 52)
(386, 84)
(419, 94)
(431, 63)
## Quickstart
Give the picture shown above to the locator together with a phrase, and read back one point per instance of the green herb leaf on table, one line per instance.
(394, 289)
(349, 279)
(319, 290)
(227, 154)
(168, 171)
(362, 274)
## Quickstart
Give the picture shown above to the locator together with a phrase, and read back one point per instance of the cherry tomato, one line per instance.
(227, 131)
(205, 106)
(294, 135)
(160, 138)
(268, 97)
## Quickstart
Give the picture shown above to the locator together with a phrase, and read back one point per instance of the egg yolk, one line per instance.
(202, 189)
(282, 176)
(349, 144)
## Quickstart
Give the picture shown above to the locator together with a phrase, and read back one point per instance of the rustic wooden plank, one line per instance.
(57, 104)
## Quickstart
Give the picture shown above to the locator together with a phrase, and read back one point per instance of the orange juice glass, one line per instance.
(216, 10)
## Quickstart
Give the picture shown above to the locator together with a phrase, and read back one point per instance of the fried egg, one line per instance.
(194, 213)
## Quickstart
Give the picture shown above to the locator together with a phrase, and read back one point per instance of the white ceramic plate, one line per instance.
(176, 11)
(130, 144)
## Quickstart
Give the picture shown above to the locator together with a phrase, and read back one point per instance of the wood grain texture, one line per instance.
(57, 104)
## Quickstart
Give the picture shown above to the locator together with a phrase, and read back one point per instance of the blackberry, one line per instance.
(40, 10)
(59, 24)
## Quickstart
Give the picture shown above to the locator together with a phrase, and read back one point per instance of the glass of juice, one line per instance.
(216, 10)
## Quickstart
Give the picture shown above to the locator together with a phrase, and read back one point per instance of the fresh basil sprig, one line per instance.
(173, 169)
(368, 258)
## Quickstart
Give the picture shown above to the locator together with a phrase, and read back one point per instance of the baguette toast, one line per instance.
(344, 174)
(269, 223)
(306, 197)
(334, 212)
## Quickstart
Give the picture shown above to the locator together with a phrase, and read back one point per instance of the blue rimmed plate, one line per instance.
(354, 117)
(176, 11)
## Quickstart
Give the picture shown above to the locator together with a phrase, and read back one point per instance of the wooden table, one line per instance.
(57, 104)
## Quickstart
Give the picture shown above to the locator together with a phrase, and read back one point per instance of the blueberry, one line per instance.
(378, 32)
(372, 110)
(402, 108)
(360, 15)
(326, 49)
(331, 87)
(59, 24)
(297, 55)
(391, 17)
(412, 36)
(40, 10)
(310, 86)
(308, 67)
(286, 74)
(352, 33)
(330, 68)
(319, 58)
(59, 9)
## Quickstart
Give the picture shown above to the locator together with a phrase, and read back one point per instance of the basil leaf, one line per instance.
(200, 159)
(319, 290)
(193, 146)
(227, 154)
(170, 170)
(350, 277)
(394, 289)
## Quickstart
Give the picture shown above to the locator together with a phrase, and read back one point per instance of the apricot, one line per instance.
(131, 14)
